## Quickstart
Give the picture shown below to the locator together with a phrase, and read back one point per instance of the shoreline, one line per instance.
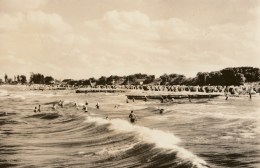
(151, 91)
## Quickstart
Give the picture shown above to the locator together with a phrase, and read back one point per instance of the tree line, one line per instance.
(224, 77)
(21, 79)
(35, 78)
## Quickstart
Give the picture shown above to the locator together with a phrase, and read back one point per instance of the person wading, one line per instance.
(132, 117)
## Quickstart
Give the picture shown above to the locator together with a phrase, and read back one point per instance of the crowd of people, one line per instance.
(132, 116)
(55, 106)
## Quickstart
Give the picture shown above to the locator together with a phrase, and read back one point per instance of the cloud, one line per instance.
(176, 42)
(123, 21)
(32, 22)
(21, 5)
(125, 42)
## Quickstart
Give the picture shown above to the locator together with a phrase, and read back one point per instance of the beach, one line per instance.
(201, 133)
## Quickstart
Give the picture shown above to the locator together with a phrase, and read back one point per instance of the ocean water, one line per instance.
(201, 133)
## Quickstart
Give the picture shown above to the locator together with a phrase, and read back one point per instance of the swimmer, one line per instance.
(127, 100)
(85, 108)
(116, 106)
(39, 109)
(161, 111)
(132, 117)
(75, 103)
(35, 109)
(97, 106)
(54, 106)
(60, 103)
(226, 96)
(162, 100)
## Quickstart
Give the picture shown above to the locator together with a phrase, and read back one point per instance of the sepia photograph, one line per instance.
(129, 83)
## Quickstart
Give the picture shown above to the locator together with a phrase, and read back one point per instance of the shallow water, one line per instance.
(215, 133)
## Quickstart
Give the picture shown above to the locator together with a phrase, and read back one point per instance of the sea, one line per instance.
(215, 133)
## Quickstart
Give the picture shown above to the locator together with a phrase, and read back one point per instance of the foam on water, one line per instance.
(115, 150)
(33, 94)
(18, 97)
(3, 93)
(161, 139)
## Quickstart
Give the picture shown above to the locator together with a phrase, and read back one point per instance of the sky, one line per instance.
(80, 39)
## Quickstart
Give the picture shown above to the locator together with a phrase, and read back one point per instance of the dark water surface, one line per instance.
(202, 133)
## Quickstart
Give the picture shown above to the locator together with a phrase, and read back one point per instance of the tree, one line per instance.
(18, 79)
(240, 79)
(130, 79)
(215, 78)
(149, 79)
(23, 79)
(6, 78)
(178, 80)
(9, 80)
(102, 80)
(202, 78)
(49, 80)
(37, 78)
(165, 79)
(228, 76)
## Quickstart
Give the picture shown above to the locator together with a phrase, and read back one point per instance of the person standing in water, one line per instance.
(39, 109)
(97, 106)
(54, 106)
(250, 95)
(226, 94)
(132, 117)
(85, 108)
(61, 103)
(189, 98)
(161, 110)
(162, 99)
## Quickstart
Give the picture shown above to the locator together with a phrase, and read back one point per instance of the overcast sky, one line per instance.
(88, 38)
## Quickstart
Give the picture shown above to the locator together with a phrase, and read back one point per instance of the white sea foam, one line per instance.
(32, 94)
(18, 97)
(115, 150)
(161, 139)
(3, 93)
